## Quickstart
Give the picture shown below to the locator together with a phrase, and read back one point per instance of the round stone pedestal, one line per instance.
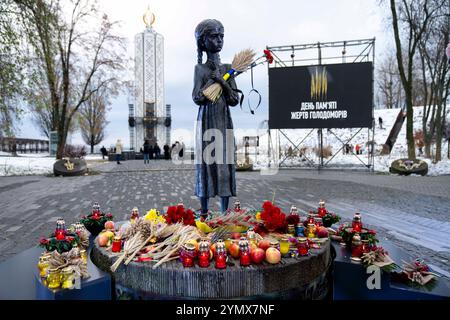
(293, 278)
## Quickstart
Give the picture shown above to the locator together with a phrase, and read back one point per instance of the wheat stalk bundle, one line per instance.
(136, 236)
(241, 62)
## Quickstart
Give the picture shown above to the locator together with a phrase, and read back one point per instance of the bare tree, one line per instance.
(11, 65)
(435, 73)
(70, 51)
(92, 118)
(389, 83)
(413, 18)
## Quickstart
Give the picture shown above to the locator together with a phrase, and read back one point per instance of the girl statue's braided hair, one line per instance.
(202, 29)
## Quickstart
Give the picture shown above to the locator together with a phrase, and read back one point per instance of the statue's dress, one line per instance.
(215, 177)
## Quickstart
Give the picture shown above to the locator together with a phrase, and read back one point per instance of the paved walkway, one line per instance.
(413, 212)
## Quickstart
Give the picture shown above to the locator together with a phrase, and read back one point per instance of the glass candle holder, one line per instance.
(43, 266)
(117, 244)
(60, 232)
(275, 244)
(284, 246)
(67, 278)
(237, 205)
(321, 210)
(187, 255)
(311, 230)
(365, 247)
(221, 255)
(318, 222)
(244, 252)
(303, 247)
(251, 236)
(83, 254)
(293, 210)
(299, 230)
(53, 278)
(134, 215)
(310, 218)
(356, 222)
(203, 255)
(291, 229)
(356, 248)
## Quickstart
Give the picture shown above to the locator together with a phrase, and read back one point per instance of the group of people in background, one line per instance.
(150, 151)
(154, 151)
(348, 148)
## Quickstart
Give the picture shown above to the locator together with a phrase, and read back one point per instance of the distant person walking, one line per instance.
(181, 153)
(175, 150)
(357, 148)
(119, 148)
(166, 152)
(146, 151)
(157, 151)
(380, 122)
(104, 152)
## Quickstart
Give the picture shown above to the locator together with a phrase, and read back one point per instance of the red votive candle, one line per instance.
(245, 259)
(357, 248)
(303, 247)
(60, 235)
(203, 259)
(221, 255)
(244, 252)
(356, 223)
(187, 255)
(221, 261)
(117, 244)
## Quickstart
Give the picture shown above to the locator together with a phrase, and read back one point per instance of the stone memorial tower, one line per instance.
(149, 116)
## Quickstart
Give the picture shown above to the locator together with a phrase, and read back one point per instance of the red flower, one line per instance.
(220, 222)
(84, 217)
(109, 215)
(70, 239)
(44, 241)
(267, 205)
(188, 218)
(268, 56)
(373, 232)
(95, 217)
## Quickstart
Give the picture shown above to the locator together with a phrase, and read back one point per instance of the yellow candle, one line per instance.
(54, 279)
(284, 246)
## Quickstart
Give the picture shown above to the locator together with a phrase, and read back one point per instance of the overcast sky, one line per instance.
(251, 23)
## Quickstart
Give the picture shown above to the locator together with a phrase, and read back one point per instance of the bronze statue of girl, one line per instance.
(214, 141)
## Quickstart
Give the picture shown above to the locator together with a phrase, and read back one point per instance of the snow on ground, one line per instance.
(336, 139)
(26, 165)
(32, 163)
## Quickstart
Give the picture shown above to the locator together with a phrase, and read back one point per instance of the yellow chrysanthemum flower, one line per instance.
(151, 215)
(258, 216)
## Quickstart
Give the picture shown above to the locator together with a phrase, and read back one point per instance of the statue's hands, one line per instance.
(216, 76)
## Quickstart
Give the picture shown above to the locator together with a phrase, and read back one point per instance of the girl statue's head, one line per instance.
(209, 36)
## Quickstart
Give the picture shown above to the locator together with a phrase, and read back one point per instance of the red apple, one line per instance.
(273, 256)
(109, 225)
(234, 250)
(102, 240)
(236, 235)
(322, 233)
(257, 255)
(264, 244)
